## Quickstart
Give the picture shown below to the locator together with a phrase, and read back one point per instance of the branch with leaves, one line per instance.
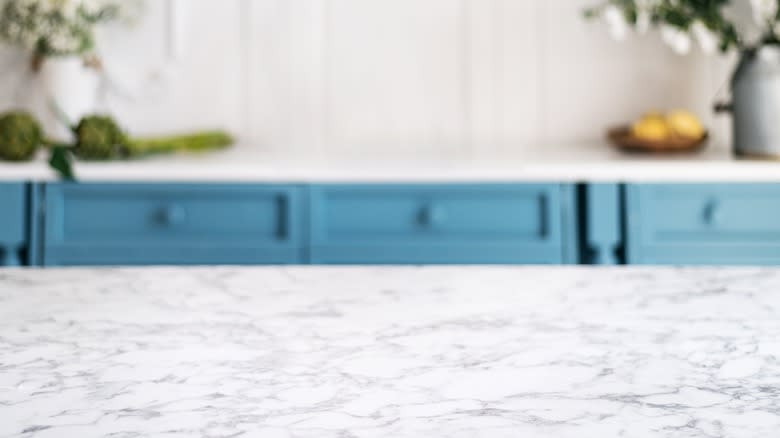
(715, 24)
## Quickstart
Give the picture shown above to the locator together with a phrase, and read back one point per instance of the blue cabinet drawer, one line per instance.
(124, 224)
(12, 223)
(704, 224)
(422, 224)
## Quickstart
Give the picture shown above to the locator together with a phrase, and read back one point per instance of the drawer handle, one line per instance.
(712, 214)
(174, 215)
(434, 216)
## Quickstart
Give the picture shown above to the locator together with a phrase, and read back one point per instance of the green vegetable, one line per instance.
(20, 136)
(97, 138)
(199, 142)
(100, 138)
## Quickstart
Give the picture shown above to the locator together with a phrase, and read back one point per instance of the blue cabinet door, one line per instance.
(715, 224)
(146, 224)
(449, 224)
(12, 223)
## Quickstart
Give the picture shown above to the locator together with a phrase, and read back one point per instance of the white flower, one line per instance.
(616, 21)
(764, 11)
(677, 39)
(644, 16)
(92, 7)
(707, 40)
(55, 27)
(741, 14)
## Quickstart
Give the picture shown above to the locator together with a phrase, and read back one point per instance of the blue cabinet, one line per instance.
(147, 224)
(13, 219)
(442, 224)
(127, 224)
(547, 223)
(703, 224)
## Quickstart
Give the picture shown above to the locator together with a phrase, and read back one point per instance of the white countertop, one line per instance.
(576, 163)
(390, 352)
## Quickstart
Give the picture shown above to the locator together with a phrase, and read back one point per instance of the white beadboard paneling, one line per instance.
(286, 75)
(505, 94)
(134, 56)
(269, 78)
(483, 82)
(396, 76)
(385, 77)
(519, 74)
(591, 81)
(201, 87)
(309, 69)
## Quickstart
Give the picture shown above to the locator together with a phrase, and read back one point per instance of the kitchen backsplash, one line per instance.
(384, 76)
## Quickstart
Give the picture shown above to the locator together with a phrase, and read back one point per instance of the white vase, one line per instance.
(71, 88)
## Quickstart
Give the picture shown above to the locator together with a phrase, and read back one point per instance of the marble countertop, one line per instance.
(569, 163)
(390, 352)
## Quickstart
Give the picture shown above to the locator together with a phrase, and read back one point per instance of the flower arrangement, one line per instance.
(752, 27)
(49, 28)
(60, 37)
(714, 24)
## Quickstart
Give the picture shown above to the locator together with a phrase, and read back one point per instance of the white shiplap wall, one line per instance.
(381, 77)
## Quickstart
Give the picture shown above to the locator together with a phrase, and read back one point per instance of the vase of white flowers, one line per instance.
(59, 36)
(751, 27)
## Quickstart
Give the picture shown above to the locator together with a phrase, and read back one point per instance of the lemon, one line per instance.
(652, 127)
(685, 125)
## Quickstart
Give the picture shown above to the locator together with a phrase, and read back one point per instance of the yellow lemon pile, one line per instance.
(675, 125)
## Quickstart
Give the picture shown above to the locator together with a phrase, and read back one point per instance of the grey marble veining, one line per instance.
(394, 352)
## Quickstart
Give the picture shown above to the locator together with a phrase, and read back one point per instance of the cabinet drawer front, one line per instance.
(429, 224)
(706, 213)
(12, 218)
(170, 223)
(705, 223)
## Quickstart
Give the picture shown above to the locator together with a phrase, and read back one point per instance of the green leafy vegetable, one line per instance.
(20, 136)
(98, 138)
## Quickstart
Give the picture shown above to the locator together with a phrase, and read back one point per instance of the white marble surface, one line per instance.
(390, 352)
(557, 163)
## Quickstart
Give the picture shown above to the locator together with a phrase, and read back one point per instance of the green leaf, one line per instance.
(61, 161)
(681, 14)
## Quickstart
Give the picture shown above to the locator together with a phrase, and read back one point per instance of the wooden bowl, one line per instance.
(623, 139)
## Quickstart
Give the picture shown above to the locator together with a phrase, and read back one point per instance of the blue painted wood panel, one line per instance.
(13, 218)
(602, 224)
(128, 224)
(571, 206)
(35, 224)
(437, 224)
(731, 224)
